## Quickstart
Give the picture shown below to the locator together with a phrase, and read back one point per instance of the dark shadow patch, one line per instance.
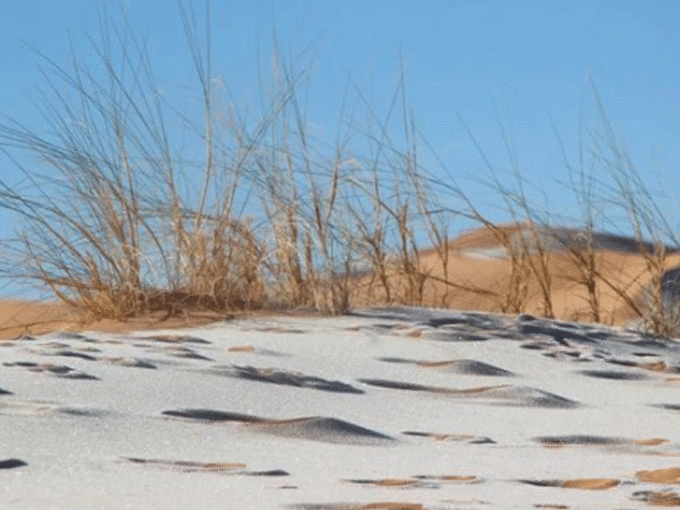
(570, 354)
(286, 378)
(86, 413)
(387, 327)
(614, 375)
(12, 463)
(644, 354)
(398, 385)
(61, 371)
(322, 429)
(272, 472)
(528, 396)
(657, 498)
(390, 359)
(621, 362)
(668, 407)
(580, 440)
(55, 369)
(536, 346)
(419, 434)
(483, 440)
(179, 351)
(75, 354)
(313, 428)
(447, 321)
(213, 416)
(542, 483)
(652, 343)
(5, 392)
(189, 354)
(467, 367)
(559, 334)
(485, 321)
(430, 318)
(601, 335)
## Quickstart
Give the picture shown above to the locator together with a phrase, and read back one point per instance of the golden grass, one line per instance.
(122, 227)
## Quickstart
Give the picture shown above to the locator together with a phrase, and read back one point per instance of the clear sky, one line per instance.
(529, 60)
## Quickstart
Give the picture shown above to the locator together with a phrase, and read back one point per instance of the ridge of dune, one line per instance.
(477, 268)
(475, 265)
(24, 317)
(554, 238)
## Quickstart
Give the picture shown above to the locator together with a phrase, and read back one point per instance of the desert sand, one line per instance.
(385, 408)
(19, 318)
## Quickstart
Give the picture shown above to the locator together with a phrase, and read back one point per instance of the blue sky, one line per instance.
(523, 61)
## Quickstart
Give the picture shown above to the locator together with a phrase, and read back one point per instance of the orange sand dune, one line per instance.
(473, 273)
(19, 318)
(25, 317)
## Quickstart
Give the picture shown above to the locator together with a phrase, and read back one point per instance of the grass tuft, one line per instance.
(116, 220)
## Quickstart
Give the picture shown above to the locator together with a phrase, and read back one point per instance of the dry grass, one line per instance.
(118, 223)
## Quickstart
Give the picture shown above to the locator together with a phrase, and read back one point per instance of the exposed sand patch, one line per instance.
(666, 475)
(476, 260)
(590, 484)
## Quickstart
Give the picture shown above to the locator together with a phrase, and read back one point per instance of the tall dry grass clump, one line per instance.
(104, 221)
(113, 217)
(659, 298)
(116, 219)
(541, 249)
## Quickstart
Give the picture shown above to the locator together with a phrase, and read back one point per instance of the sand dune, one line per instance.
(21, 317)
(478, 268)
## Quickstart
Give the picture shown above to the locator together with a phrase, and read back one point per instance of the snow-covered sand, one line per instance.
(401, 408)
